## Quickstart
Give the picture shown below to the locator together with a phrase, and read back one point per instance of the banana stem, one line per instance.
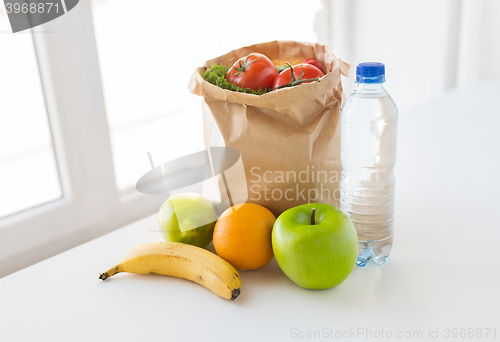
(313, 216)
(111, 272)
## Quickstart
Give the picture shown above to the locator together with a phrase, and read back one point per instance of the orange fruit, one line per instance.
(242, 236)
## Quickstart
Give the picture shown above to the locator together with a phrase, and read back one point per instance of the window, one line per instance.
(28, 171)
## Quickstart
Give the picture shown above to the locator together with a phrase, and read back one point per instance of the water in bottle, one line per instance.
(369, 121)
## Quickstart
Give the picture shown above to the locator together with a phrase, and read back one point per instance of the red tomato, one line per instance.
(302, 73)
(253, 71)
(316, 63)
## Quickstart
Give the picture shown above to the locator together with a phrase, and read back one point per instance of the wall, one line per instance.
(428, 46)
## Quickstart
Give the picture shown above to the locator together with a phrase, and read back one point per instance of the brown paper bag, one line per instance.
(289, 139)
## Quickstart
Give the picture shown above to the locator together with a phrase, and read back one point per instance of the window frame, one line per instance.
(91, 204)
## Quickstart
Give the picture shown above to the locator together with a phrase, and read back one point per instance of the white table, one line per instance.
(442, 273)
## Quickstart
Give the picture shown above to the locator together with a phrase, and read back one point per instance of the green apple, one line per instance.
(188, 218)
(315, 245)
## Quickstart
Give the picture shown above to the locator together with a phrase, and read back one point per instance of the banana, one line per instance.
(182, 261)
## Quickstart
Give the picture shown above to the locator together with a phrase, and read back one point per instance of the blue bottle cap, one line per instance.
(370, 72)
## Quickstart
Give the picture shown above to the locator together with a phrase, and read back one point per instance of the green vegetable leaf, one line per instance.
(280, 68)
(217, 75)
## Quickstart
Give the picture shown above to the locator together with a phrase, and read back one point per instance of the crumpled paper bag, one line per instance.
(289, 139)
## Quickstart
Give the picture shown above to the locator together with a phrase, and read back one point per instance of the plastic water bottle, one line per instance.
(369, 122)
